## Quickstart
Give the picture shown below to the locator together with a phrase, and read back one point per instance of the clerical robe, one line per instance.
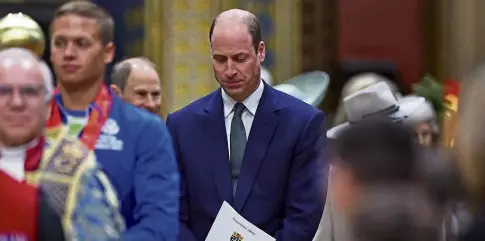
(74, 185)
(25, 213)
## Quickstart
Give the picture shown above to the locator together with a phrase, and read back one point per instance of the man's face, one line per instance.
(77, 51)
(237, 66)
(23, 109)
(143, 88)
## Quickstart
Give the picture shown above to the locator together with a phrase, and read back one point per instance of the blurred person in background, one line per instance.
(64, 169)
(470, 152)
(25, 213)
(359, 82)
(376, 101)
(370, 153)
(395, 213)
(133, 146)
(136, 80)
(422, 117)
(365, 153)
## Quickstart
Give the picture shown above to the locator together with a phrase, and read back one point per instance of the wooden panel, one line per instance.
(390, 30)
(319, 43)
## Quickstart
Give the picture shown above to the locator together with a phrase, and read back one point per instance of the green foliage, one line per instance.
(432, 90)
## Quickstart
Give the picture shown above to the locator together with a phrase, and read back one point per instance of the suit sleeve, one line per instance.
(156, 186)
(306, 186)
(49, 223)
(185, 232)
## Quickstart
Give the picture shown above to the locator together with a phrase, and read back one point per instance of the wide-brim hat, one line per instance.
(417, 109)
(374, 101)
(309, 87)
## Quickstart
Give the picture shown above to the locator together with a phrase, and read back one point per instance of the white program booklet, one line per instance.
(230, 226)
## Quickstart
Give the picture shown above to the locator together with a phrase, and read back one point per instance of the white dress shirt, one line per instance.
(12, 161)
(247, 116)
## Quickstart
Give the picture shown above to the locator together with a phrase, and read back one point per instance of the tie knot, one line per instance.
(239, 109)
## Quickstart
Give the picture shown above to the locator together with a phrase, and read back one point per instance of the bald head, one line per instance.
(235, 17)
(27, 61)
(136, 81)
(17, 54)
(122, 70)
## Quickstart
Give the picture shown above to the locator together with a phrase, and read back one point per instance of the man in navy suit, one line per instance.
(248, 144)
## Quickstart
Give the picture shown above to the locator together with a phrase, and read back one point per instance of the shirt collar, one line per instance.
(12, 160)
(251, 102)
(58, 99)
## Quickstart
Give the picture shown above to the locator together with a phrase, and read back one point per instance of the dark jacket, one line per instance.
(49, 226)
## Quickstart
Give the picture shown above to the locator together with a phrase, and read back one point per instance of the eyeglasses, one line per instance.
(26, 92)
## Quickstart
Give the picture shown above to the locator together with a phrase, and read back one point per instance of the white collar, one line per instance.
(251, 102)
(12, 160)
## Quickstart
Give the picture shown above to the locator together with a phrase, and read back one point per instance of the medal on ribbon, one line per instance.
(96, 120)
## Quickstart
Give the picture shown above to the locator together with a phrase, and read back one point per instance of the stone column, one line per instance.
(153, 44)
(287, 39)
(462, 38)
(179, 44)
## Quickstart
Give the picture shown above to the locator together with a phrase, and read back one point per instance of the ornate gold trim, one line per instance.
(287, 39)
(154, 44)
(71, 199)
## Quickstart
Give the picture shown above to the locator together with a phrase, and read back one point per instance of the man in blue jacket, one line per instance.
(132, 145)
(248, 144)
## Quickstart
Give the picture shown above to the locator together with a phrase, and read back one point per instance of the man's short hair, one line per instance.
(88, 9)
(254, 29)
(48, 79)
(22, 53)
(122, 70)
(378, 151)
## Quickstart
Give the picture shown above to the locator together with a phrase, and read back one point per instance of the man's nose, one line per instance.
(17, 100)
(69, 51)
(150, 102)
(231, 70)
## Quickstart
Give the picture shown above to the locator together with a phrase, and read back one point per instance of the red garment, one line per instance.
(34, 155)
(18, 209)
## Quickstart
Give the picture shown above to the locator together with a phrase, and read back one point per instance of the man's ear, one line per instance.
(261, 51)
(115, 89)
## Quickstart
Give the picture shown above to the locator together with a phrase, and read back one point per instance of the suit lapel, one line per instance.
(262, 130)
(215, 128)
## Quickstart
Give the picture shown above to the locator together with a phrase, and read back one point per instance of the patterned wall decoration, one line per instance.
(265, 11)
(187, 63)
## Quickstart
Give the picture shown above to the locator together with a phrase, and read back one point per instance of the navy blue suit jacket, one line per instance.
(280, 187)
